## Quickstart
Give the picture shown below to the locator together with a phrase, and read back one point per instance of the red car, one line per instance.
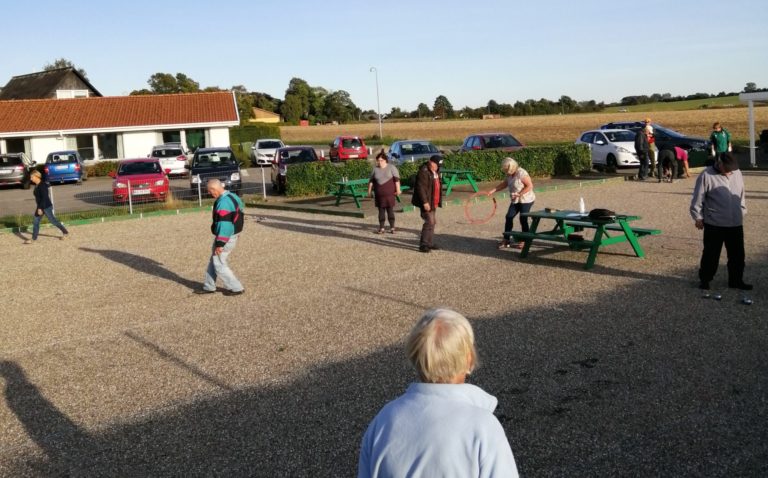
(347, 147)
(144, 178)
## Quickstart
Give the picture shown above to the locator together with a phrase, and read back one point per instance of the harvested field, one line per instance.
(536, 129)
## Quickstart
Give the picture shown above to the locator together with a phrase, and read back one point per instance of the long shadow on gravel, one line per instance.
(143, 264)
(599, 387)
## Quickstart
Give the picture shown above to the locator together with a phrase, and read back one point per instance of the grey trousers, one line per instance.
(218, 268)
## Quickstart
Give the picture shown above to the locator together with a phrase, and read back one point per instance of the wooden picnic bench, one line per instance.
(357, 189)
(568, 223)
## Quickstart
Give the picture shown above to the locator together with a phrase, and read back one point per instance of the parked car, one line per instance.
(220, 163)
(665, 137)
(285, 157)
(501, 141)
(65, 166)
(411, 150)
(347, 147)
(173, 158)
(611, 147)
(263, 151)
(143, 179)
(15, 169)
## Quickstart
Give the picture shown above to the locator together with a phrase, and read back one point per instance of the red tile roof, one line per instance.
(116, 112)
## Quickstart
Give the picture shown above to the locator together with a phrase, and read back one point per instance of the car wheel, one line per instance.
(611, 161)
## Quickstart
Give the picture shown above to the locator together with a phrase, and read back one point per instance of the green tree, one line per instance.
(750, 87)
(301, 90)
(166, 83)
(492, 107)
(423, 110)
(63, 63)
(339, 106)
(443, 107)
(567, 104)
(291, 109)
(244, 102)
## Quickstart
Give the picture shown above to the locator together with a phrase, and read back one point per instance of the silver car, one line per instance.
(263, 151)
(411, 150)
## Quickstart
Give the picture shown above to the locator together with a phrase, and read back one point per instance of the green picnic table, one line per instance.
(456, 177)
(356, 189)
(568, 223)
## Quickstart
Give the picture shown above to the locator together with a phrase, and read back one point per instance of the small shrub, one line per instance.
(101, 168)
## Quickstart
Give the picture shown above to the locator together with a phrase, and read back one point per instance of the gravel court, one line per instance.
(594, 370)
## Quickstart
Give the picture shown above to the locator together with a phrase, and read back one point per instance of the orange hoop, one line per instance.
(480, 220)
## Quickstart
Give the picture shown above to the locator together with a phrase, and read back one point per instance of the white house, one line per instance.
(116, 127)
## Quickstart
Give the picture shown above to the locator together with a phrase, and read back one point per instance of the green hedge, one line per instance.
(101, 168)
(241, 134)
(314, 179)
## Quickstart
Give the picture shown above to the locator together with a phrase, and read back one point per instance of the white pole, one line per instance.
(53, 204)
(130, 198)
(752, 159)
(199, 192)
(263, 185)
(378, 107)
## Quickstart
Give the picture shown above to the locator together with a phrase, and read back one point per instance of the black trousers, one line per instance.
(714, 238)
(390, 213)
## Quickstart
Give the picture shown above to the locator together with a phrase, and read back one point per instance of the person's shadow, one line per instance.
(54, 433)
(143, 264)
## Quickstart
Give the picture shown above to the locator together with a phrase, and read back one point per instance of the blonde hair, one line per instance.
(36, 174)
(509, 165)
(441, 346)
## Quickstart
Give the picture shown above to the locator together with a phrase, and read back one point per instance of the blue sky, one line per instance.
(469, 51)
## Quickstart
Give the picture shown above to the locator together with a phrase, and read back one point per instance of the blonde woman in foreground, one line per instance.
(441, 426)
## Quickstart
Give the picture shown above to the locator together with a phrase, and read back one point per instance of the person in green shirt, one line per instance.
(721, 140)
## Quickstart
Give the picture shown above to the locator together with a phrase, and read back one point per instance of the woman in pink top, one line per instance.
(682, 156)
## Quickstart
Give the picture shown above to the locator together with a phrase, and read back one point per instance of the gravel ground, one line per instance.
(112, 367)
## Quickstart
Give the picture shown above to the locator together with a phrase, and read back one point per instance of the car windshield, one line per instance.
(501, 141)
(139, 167)
(351, 143)
(296, 156)
(418, 148)
(268, 145)
(10, 161)
(167, 153)
(62, 158)
(214, 158)
(620, 136)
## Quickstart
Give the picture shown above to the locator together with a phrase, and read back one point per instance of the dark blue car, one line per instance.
(64, 166)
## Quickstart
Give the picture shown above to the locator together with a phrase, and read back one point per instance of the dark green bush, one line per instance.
(241, 134)
(542, 161)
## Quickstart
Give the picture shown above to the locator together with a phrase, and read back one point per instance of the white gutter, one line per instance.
(117, 129)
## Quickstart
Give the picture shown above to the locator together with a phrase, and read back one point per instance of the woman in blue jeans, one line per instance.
(43, 206)
(521, 194)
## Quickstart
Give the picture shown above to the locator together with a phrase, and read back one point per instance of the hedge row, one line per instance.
(101, 168)
(313, 179)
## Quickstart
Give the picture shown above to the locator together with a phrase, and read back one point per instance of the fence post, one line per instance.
(263, 185)
(199, 192)
(53, 203)
(130, 198)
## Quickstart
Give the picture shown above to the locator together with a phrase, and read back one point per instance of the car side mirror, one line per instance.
(112, 174)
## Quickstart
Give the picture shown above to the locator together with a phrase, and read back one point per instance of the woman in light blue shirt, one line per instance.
(441, 426)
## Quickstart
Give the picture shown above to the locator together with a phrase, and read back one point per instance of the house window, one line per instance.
(66, 94)
(171, 137)
(15, 145)
(108, 146)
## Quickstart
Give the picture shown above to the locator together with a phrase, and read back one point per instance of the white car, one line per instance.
(172, 158)
(263, 151)
(611, 147)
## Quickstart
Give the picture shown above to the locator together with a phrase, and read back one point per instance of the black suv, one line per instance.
(219, 163)
(15, 169)
(665, 137)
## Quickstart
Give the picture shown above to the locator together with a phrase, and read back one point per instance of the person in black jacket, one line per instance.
(427, 196)
(44, 206)
(642, 148)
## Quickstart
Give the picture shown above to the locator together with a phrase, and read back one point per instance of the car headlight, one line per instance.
(195, 179)
(120, 185)
(623, 150)
(235, 177)
(159, 182)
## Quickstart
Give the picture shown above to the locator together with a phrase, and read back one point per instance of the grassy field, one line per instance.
(723, 102)
(536, 129)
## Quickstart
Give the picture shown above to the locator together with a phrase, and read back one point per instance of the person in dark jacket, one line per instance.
(667, 160)
(44, 207)
(642, 148)
(427, 196)
(226, 228)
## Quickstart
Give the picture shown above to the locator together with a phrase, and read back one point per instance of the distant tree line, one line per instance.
(317, 104)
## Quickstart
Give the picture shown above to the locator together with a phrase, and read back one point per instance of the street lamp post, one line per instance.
(378, 107)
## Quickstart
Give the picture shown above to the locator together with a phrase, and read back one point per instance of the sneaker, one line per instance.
(380, 231)
(424, 249)
(740, 285)
(704, 285)
(203, 291)
(233, 292)
(392, 230)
